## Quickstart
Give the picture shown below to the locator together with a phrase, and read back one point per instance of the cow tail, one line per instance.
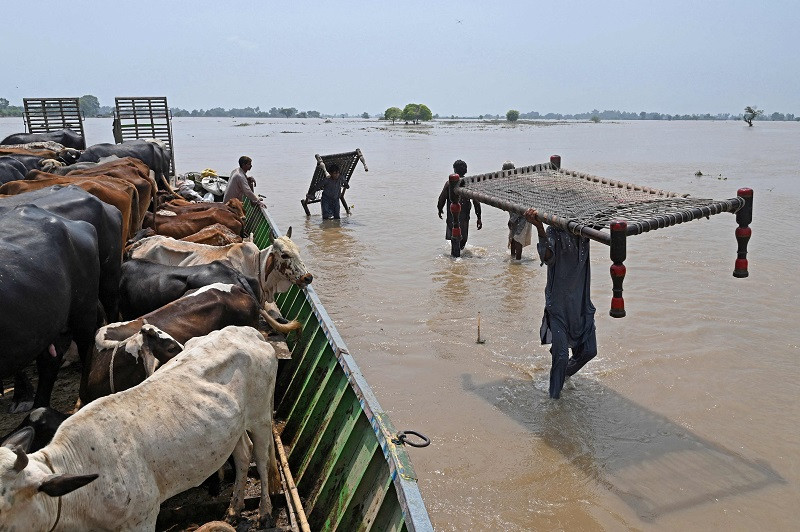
(283, 328)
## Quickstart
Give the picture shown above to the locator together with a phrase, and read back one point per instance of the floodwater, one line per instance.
(688, 417)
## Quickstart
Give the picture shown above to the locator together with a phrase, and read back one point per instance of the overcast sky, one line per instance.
(457, 57)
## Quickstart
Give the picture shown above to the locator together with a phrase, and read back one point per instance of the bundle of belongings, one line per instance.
(202, 186)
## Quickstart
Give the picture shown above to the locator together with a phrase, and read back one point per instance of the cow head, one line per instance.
(283, 267)
(49, 165)
(126, 353)
(68, 155)
(25, 485)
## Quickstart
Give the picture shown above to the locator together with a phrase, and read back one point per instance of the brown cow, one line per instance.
(214, 235)
(116, 192)
(233, 205)
(181, 225)
(122, 358)
(129, 169)
(35, 152)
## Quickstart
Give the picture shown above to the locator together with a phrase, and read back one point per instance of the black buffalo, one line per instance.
(49, 272)
(65, 137)
(74, 203)
(11, 169)
(150, 153)
(146, 286)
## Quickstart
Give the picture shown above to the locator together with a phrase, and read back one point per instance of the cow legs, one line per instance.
(264, 449)
(241, 461)
(48, 363)
(22, 401)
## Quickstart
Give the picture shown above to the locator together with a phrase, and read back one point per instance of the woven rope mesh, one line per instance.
(579, 198)
(347, 165)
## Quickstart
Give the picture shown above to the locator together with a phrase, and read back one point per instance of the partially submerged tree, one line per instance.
(512, 115)
(392, 113)
(750, 113)
(416, 112)
(89, 105)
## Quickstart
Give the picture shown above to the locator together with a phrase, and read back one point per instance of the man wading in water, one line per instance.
(568, 320)
(331, 192)
(459, 167)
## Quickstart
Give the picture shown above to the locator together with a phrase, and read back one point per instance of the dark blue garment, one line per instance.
(332, 189)
(463, 219)
(568, 320)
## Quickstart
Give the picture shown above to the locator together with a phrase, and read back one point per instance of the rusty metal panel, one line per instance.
(144, 117)
(43, 115)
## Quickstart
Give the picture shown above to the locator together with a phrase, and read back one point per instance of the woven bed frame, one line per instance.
(347, 164)
(585, 204)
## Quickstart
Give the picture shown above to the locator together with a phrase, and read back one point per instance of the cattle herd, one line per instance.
(93, 236)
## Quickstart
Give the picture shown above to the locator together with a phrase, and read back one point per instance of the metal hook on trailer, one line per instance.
(402, 438)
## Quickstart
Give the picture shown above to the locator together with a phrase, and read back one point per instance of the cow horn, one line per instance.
(289, 232)
(22, 459)
(269, 266)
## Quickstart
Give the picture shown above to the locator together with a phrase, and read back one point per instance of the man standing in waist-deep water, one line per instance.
(331, 192)
(459, 167)
(568, 320)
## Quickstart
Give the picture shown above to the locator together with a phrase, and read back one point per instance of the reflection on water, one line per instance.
(649, 462)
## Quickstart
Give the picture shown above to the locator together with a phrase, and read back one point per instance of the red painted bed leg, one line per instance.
(743, 217)
(618, 251)
(555, 160)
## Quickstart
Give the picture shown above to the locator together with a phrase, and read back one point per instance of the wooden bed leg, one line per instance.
(455, 211)
(555, 160)
(344, 203)
(743, 217)
(305, 207)
(618, 252)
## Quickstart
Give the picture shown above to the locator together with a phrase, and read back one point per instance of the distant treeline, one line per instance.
(91, 107)
(248, 112)
(625, 115)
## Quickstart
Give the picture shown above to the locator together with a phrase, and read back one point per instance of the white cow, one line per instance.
(277, 267)
(111, 464)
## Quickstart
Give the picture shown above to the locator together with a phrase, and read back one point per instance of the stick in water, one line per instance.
(479, 340)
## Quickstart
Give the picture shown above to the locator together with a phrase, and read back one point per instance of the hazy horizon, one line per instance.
(458, 58)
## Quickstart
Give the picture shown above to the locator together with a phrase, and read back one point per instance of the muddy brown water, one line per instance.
(687, 419)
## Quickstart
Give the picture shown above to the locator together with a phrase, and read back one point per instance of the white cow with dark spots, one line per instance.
(276, 267)
(112, 464)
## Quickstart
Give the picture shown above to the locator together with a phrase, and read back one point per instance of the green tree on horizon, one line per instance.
(750, 113)
(393, 113)
(416, 112)
(89, 105)
(512, 115)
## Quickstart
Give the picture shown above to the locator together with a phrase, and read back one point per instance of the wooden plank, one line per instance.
(368, 498)
(349, 470)
(43, 115)
(319, 370)
(315, 422)
(390, 516)
(300, 378)
(144, 118)
(329, 448)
